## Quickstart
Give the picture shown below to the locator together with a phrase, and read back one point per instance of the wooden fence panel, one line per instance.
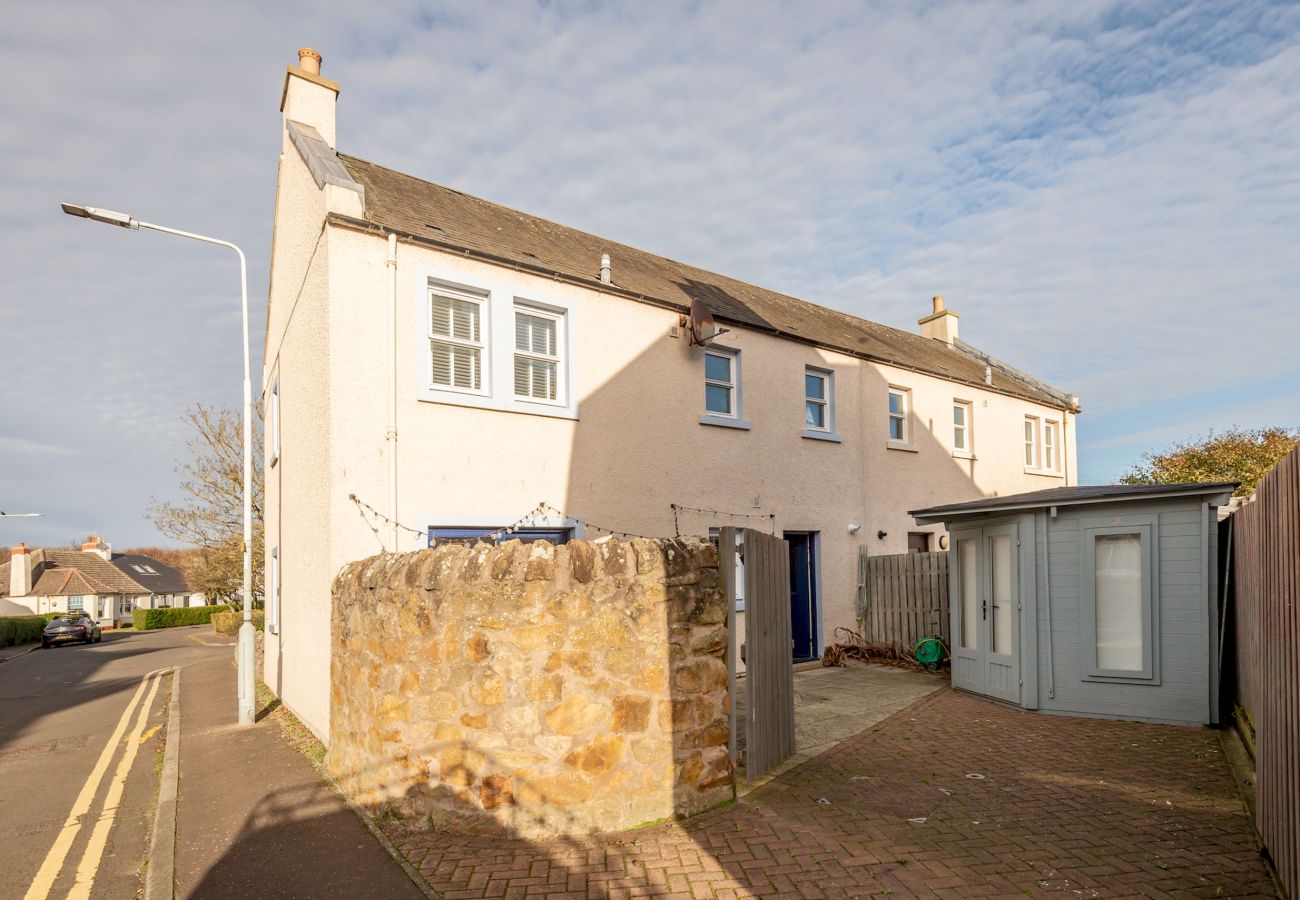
(769, 667)
(1265, 569)
(904, 598)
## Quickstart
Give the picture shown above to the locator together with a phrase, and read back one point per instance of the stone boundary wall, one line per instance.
(532, 689)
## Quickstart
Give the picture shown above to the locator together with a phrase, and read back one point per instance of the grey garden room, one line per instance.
(1097, 601)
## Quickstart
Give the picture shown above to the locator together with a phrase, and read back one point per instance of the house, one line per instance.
(437, 366)
(1099, 601)
(94, 579)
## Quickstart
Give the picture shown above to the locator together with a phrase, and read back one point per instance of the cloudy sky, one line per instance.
(1109, 193)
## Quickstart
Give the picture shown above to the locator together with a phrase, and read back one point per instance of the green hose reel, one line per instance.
(931, 651)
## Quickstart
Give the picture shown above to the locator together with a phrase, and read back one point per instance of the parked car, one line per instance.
(66, 629)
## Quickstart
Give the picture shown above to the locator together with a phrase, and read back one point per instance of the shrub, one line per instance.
(229, 622)
(20, 629)
(150, 619)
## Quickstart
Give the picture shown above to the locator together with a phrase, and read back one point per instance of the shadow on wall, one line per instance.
(546, 690)
(640, 447)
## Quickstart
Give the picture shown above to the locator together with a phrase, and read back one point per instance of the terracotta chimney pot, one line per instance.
(309, 60)
(19, 550)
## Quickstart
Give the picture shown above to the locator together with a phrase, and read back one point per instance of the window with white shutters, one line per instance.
(456, 346)
(538, 367)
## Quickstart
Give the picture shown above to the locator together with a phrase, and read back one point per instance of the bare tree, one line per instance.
(211, 515)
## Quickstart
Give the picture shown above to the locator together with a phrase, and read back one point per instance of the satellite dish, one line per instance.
(704, 330)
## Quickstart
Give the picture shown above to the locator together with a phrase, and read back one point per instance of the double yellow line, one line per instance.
(94, 852)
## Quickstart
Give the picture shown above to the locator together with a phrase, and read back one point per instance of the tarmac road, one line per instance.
(80, 746)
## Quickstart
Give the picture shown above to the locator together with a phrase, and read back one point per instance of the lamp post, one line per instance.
(122, 220)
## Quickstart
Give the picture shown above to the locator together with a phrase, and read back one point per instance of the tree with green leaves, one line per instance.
(210, 515)
(1237, 454)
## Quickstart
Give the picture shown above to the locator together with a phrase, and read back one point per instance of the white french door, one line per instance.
(986, 611)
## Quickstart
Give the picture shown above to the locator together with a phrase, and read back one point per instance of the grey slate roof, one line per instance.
(451, 220)
(164, 579)
(1072, 496)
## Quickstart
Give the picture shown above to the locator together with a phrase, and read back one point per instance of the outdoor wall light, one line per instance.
(854, 528)
(881, 535)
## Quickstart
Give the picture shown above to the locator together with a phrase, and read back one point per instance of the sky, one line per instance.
(1108, 193)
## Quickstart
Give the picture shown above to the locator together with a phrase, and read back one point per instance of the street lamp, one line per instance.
(122, 220)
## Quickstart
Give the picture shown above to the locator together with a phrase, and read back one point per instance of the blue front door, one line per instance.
(803, 596)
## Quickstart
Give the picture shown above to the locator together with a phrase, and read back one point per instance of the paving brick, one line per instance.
(1083, 807)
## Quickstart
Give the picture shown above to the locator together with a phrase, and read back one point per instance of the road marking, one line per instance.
(49, 871)
(90, 859)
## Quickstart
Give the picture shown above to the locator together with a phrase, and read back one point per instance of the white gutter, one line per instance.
(390, 435)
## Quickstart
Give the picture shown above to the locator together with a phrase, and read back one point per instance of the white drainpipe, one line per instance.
(390, 436)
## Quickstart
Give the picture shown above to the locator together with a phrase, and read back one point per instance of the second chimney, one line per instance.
(20, 571)
(941, 324)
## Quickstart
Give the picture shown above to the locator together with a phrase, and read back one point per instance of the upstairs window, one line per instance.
(538, 365)
(719, 383)
(816, 402)
(961, 428)
(899, 402)
(274, 423)
(1031, 442)
(456, 340)
(1051, 459)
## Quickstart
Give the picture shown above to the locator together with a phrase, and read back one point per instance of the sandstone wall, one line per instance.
(533, 689)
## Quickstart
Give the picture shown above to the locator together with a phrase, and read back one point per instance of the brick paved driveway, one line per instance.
(1079, 807)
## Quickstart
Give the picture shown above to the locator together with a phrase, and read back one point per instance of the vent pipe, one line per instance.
(605, 272)
(988, 375)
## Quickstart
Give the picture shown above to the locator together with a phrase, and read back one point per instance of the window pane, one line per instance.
(895, 428)
(895, 402)
(454, 366)
(959, 438)
(535, 378)
(1000, 625)
(535, 334)
(717, 399)
(958, 414)
(814, 386)
(1118, 589)
(968, 560)
(814, 414)
(455, 318)
(717, 367)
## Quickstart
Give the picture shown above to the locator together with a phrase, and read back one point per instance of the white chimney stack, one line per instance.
(941, 324)
(99, 548)
(308, 97)
(20, 571)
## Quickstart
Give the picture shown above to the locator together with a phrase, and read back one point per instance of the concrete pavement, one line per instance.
(255, 819)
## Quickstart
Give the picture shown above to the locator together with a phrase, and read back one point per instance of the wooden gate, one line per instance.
(769, 667)
(904, 597)
(1265, 568)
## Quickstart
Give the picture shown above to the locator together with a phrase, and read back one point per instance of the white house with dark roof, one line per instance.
(436, 366)
(94, 579)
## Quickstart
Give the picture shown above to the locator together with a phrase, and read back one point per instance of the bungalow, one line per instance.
(94, 579)
(438, 367)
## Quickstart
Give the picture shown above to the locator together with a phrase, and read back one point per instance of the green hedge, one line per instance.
(229, 622)
(20, 629)
(150, 619)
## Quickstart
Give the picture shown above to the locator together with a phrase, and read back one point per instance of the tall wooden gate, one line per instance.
(1265, 569)
(769, 667)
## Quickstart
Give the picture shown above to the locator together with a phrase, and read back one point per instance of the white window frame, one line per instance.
(274, 421)
(736, 418)
(483, 344)
(828, 432)
(967, 429)
(1051, 460)
(556, 315)
(1032, 443)
(905, 416)
(273, 607)
(81, 602)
